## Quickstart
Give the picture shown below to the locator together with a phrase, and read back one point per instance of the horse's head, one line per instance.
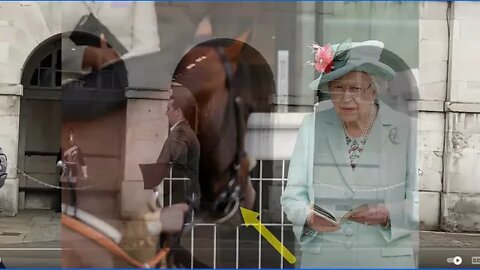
(229, 79)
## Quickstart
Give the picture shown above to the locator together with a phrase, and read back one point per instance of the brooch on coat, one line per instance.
(393, 135)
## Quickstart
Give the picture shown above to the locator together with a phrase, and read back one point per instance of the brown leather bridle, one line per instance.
(228, 202)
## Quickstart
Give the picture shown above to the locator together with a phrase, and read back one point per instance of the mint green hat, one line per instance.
(355, 56)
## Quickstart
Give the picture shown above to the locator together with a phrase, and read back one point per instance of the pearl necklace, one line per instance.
(366, 131)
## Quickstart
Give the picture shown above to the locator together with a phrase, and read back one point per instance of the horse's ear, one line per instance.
(204, 29)
(233, 51)
(244, 36)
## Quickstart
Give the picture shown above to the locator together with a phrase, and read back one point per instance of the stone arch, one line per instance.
(39, 125)
(94, 104)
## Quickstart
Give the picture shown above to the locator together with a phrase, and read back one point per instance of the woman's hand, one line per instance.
(374, 215)
(320, 224)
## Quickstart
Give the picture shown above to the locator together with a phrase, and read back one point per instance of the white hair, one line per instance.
(379, 84)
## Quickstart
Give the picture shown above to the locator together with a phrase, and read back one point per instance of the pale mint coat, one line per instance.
(388, 163)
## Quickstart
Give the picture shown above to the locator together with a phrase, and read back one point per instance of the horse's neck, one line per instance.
(217, 131)
(212, 110)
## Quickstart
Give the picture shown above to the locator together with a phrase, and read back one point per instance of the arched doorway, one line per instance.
(40, 119)
(48, 102)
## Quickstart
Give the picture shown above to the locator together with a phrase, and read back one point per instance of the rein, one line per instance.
(110, 245)
(98, 237)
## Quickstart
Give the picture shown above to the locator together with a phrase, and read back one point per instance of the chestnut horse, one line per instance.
(229, 80)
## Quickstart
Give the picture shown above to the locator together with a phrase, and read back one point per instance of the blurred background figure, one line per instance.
(3, 177)
(74, 168)
(3, 168)
(182, 150)
(182, 147)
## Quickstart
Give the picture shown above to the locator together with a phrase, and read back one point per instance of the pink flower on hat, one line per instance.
(323, 57)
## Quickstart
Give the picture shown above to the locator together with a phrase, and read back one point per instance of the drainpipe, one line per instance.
(449, 20)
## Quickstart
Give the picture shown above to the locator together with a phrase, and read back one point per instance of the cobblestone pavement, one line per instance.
(449, 240)
(437, 247)
(30, 226)
(32, 238)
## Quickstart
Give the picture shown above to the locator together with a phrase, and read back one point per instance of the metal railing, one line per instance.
(273, 218)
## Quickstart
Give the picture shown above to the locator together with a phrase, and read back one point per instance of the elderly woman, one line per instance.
(357, 155)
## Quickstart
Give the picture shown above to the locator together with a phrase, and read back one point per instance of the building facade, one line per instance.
(438, 41)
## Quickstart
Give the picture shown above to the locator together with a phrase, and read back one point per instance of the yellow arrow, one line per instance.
(251, 218)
